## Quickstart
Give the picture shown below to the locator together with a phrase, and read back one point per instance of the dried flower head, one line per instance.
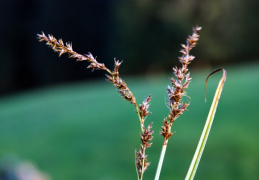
(179, 84)
(141, 157)
(113, 77)
(61, 48)
(143, 109)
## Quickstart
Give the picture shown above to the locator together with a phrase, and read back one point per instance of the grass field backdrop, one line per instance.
(86, 131)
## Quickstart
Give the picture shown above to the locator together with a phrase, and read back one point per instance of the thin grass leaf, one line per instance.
(203, 139)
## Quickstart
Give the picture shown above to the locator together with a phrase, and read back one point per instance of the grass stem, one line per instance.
(203, 139)
(161, 159)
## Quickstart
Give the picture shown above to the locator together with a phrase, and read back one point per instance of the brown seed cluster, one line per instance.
(141, 157)
(145, 136)
(120, 84)
(114, 78)
(175, 92)
(143, 110)
(179, 84)
(61, 48)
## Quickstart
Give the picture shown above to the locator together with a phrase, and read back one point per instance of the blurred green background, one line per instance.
(72, 124)
(86, 131)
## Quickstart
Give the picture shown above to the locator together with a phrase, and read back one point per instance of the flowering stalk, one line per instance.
(114, 78)
(146, 137)
(177, 91)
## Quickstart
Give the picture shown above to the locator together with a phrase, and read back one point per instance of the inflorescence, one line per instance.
(175, 92)
(179, 85)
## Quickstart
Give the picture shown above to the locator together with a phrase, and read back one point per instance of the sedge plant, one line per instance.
(176, 91)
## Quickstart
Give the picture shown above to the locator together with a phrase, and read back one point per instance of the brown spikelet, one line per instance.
(141, 157)
(179, 84)
(114, 78)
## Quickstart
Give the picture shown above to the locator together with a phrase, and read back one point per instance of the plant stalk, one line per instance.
(161, 159)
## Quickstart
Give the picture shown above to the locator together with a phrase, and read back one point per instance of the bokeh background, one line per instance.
(71, 124)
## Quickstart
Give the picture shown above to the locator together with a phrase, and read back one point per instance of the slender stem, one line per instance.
(161, 159)
(203, 139)
(109, 71)
(143, 161)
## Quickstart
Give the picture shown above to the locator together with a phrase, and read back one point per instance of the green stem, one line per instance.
(203, 139)
(161, 159)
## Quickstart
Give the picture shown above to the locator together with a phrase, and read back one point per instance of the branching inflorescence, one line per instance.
(114, 78)
(175, 94)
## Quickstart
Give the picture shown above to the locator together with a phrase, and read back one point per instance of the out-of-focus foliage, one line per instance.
(152, 30)
(146, 34)
(86, 131)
